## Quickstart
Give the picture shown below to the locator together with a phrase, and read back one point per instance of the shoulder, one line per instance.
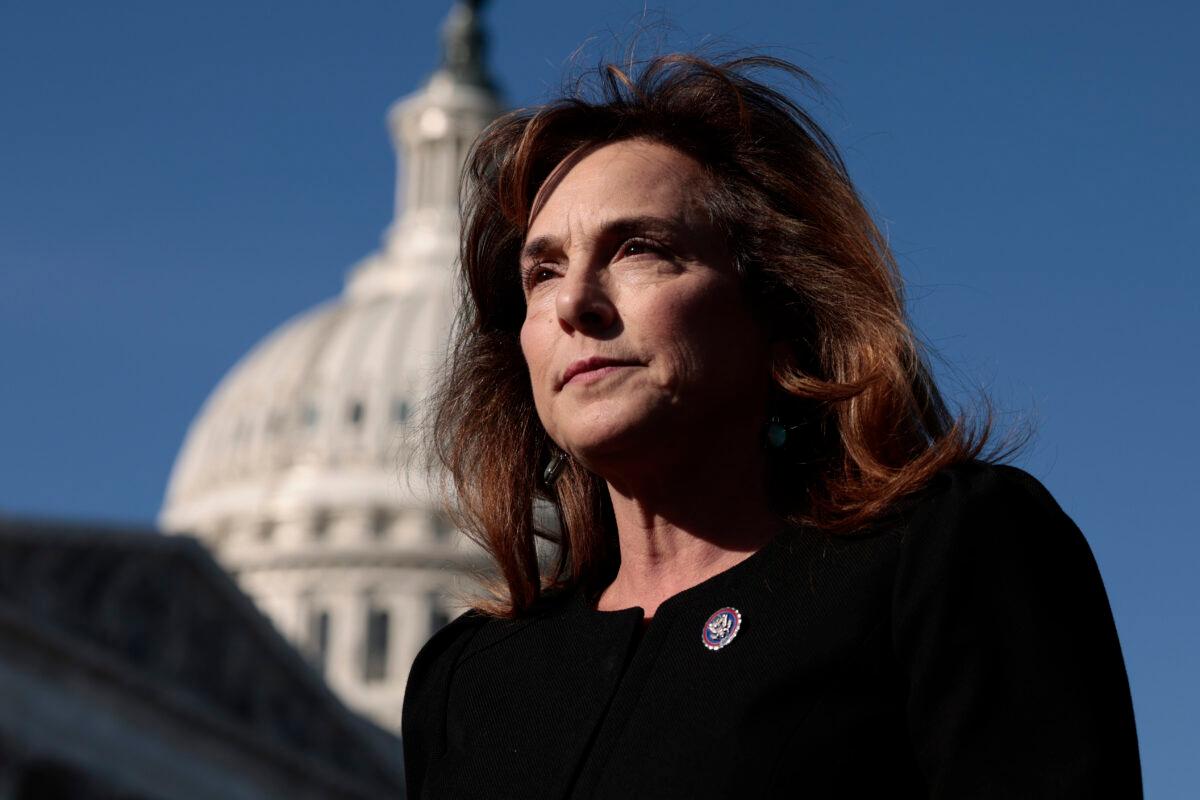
(469, 634)
(974, 487)
(423, 722)
(423, 718)
(992, 538)
(440, 652)
(976, 510)
(1002, 628)
(435, 661)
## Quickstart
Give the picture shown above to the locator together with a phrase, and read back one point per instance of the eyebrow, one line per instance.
(621, 228)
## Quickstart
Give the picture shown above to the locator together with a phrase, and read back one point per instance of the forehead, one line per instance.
(636, 177)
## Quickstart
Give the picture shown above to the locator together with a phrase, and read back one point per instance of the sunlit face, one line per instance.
(636, 333)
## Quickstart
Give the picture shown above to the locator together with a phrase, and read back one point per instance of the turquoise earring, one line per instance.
(777, 434)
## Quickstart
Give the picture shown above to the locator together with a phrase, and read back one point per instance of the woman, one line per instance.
(782, 570)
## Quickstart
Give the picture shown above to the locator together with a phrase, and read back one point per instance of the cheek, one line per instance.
(712, 336)
(537, 335)
(537, 347)
(531, 349)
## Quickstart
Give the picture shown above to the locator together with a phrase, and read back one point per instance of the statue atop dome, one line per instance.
(464, 45)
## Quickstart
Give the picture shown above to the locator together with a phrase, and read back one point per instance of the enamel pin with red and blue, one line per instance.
(721, 627)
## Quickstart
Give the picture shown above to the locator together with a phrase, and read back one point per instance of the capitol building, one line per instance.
(302, 473)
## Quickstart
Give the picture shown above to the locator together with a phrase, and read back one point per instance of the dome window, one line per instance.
(401, 411)
(317, 644)
(310, 415)
(437, 614)
(441, 526)
(375, 662)
(266, 530)
(381, 523)
(320, 524)
(356, 412)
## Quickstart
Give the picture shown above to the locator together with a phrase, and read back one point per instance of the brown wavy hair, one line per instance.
(870, 426)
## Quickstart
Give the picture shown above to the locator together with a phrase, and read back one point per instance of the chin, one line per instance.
(601, 440)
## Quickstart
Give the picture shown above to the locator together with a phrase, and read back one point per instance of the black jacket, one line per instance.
(964, 650)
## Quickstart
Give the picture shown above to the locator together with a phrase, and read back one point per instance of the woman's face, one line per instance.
(636, 333)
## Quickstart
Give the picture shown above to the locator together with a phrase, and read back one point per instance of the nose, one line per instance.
(583, 303)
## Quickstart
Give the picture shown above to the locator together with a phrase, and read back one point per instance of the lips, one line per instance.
(593, 364)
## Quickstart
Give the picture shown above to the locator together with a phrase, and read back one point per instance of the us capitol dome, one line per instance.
(300, 472)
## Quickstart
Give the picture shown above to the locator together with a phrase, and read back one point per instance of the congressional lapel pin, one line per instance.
(721, 627)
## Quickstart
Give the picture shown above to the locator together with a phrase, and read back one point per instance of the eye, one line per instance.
(537, 273)
(639, 247)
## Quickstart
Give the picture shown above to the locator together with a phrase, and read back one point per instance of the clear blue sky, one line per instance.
(178, 178)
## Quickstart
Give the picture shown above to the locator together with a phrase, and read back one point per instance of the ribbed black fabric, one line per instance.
(966, 650)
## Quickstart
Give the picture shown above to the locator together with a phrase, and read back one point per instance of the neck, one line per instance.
(681, 521)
